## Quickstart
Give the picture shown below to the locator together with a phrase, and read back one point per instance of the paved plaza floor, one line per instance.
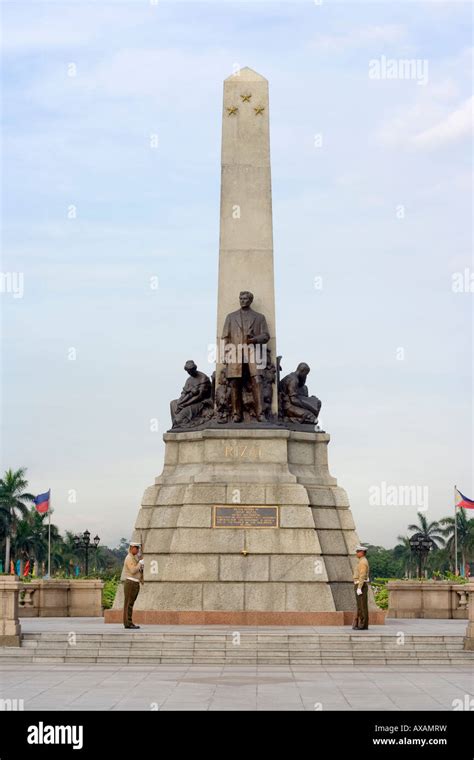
(392, 627)
(236, 687)
(96, 686)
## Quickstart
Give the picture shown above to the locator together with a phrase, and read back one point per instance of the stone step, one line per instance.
(386, 651)
(212, 653)
(255, 648)
(139, 640)
(245, 658)
(332, 640)
(84, 649)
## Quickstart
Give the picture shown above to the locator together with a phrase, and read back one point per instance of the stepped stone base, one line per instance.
(295, 573)
(162, 617)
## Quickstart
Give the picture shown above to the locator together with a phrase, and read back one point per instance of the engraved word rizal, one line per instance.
(242, 452)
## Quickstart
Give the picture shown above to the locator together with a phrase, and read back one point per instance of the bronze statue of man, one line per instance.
(296, 403)
(244, 331)
(195, 403)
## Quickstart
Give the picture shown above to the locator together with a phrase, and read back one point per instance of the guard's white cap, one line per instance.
(134, 543)
(360, 548)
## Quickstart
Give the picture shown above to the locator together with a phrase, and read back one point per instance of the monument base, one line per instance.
(246, 527)
(219, 617)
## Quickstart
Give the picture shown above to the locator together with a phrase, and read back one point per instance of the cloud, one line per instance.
(455, 126)
(439, 113)
(427, 125)
(66, 25)
(359, 38)
(156, 78)
(139, 73)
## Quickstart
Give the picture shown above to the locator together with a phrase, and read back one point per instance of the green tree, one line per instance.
(14, 500)
(403, 553)
(69, 556)
(383, 563)
(121, 551)
(465, 531)
(431, 532)
(103, 560)
(31, 538)
(438, 562)
(24, 541)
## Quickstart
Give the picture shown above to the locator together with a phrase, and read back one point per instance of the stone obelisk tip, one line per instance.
(246, 75)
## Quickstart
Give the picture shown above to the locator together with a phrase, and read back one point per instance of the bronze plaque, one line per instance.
(237, 516)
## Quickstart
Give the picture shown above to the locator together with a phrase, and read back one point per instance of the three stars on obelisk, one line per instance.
(245, 97)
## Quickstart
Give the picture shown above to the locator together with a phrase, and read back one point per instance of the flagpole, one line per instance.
(49, 536)
(455, 533)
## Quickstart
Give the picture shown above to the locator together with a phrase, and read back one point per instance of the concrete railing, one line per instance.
(61, 598)
(10, 629)
(443, 600)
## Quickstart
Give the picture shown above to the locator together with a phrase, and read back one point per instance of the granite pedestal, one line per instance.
(296, 573)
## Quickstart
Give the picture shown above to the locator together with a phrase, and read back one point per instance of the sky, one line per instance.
(110, 237)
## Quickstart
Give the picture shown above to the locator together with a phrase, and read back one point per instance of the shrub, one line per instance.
(109, 591)
(381, 597)
(448, 576)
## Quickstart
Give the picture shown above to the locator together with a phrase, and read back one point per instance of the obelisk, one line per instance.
(246, 236)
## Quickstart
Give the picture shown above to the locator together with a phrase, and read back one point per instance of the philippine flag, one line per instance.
(465, 502)
(42, 502)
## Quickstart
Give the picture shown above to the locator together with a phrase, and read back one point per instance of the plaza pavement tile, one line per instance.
(218, 688)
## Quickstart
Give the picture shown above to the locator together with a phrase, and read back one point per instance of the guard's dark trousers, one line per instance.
(130, 589)
(362, 620)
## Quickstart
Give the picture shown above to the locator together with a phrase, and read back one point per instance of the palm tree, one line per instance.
(431, 533)
(31, 538)
(22, 544)
(438, 562)
(13, 496)
(404, 554)
(68, 552)
(465, 531)
(57, 560)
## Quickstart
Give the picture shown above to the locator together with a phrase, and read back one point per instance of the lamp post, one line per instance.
(420, 546)
(84, 542)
